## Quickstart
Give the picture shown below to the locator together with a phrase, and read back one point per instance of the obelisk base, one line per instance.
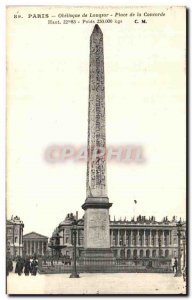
(97, 254)
(97, 260)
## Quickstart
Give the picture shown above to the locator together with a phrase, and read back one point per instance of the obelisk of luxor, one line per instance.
(96, 206)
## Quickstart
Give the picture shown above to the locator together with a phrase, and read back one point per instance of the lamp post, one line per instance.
(184, 249)
(74, 273)
(13, 241)
(179, 228)
(51, 246)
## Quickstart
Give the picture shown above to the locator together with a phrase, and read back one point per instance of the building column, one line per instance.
(150, 238)
(45, 248)
(125, 238)
(111, 237)
(170, 237)
(144, 237)
(39, 247)
(131, 253)
(117, 237)
(157, 236)
(137, 239)
(163, 242)
(20, 251)
(42, 252)
(118, 251)
(131, 242)
(125, 252)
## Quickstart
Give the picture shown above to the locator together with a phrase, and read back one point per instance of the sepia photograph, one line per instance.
(96, 196)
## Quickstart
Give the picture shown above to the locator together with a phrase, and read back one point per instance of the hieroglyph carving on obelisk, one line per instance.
(96, 166)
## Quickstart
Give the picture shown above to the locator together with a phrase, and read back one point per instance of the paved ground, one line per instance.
(127, 283)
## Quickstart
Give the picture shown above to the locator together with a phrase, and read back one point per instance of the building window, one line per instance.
(127, 238)
(153, 238)
(147, 253)
(16, 239)
(147, 239)
(166, 239)
(161, 252)
(115, 253)
(141, 254)
(154, 253)
(166, 253)
(122, 253)
(135, 253)
(67, 240)
(128, 253)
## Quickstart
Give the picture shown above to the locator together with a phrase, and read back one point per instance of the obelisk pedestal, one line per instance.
(96, 218)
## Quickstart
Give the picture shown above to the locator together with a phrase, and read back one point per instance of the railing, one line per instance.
(145, 265)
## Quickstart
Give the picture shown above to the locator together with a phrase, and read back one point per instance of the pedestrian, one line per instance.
(9, 265)
(172, 264)
(175, 265)
(34, 265)
(184, 274)
(27, 268)
(19, 266)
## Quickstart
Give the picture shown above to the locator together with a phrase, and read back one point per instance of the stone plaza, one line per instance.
(91, 283)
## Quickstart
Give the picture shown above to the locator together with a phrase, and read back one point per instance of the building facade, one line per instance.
(139, 238)
(14, 237)
(35, 244)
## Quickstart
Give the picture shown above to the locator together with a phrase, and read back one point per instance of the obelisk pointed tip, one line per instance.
(97, 29)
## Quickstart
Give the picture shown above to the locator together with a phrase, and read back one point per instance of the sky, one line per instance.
(47, 104)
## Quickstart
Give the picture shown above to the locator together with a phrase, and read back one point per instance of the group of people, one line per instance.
(25, 266)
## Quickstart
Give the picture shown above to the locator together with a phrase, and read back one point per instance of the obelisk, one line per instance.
(96, 206)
